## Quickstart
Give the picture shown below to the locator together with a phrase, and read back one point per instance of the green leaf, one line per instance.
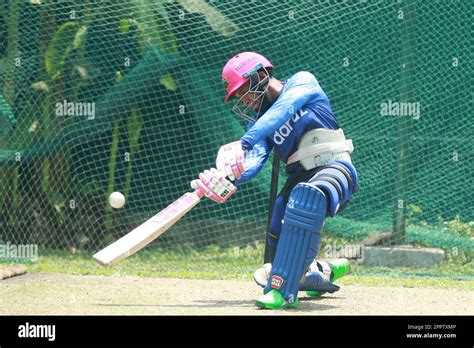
(118, 76)
(6, 111)
(168, 82)
(80, 37)
(68, 37)
(218, 21)
(134, 125)
(165, 38)
(124, 25)
(154, 25)
(40, 86)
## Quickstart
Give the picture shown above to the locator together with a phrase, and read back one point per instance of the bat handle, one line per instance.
(198, 192)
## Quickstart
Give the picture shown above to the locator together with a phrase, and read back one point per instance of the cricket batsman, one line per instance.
(294, 117)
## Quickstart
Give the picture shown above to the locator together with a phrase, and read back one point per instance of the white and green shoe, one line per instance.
(274, 300)
(335, 270)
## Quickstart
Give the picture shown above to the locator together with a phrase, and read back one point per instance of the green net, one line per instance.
(100, 96)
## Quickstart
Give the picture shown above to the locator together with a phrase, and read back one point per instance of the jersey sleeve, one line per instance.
(301, 88)
(254, 161)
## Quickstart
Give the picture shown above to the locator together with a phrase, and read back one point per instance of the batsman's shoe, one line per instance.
(274, 300)
(338, 269)
(262, 274)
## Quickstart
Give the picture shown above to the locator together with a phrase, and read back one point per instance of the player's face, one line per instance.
(248, 99)
(250, 96)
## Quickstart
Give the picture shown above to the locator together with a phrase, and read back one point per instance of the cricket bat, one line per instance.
(149, 230)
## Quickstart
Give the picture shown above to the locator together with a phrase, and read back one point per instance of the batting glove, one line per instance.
(214, 185)
(230, 160)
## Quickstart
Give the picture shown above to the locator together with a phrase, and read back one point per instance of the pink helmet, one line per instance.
(236, 71)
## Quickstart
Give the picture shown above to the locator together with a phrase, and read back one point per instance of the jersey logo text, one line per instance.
(284, 131)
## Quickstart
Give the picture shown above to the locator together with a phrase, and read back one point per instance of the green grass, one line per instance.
(456, 272)
(239, 263)
(208, 263)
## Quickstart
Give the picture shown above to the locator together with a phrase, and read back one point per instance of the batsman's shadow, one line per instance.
(309, 305)
(322, 298)
(201, 303)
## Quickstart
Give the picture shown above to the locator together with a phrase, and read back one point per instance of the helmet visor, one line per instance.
(250, 96)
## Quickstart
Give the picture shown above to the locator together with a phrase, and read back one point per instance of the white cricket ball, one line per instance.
(117, 200)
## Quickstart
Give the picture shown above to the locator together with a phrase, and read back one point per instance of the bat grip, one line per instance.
(198, 192)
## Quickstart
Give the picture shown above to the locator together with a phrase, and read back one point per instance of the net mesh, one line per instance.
(98, 96)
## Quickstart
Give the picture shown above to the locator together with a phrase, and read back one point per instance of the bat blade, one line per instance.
(148, 231)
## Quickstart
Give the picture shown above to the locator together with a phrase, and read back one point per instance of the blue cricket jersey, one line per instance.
(300, 106)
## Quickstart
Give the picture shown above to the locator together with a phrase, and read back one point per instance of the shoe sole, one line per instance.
(263, 305)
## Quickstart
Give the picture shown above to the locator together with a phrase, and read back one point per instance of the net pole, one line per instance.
(404, 124)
